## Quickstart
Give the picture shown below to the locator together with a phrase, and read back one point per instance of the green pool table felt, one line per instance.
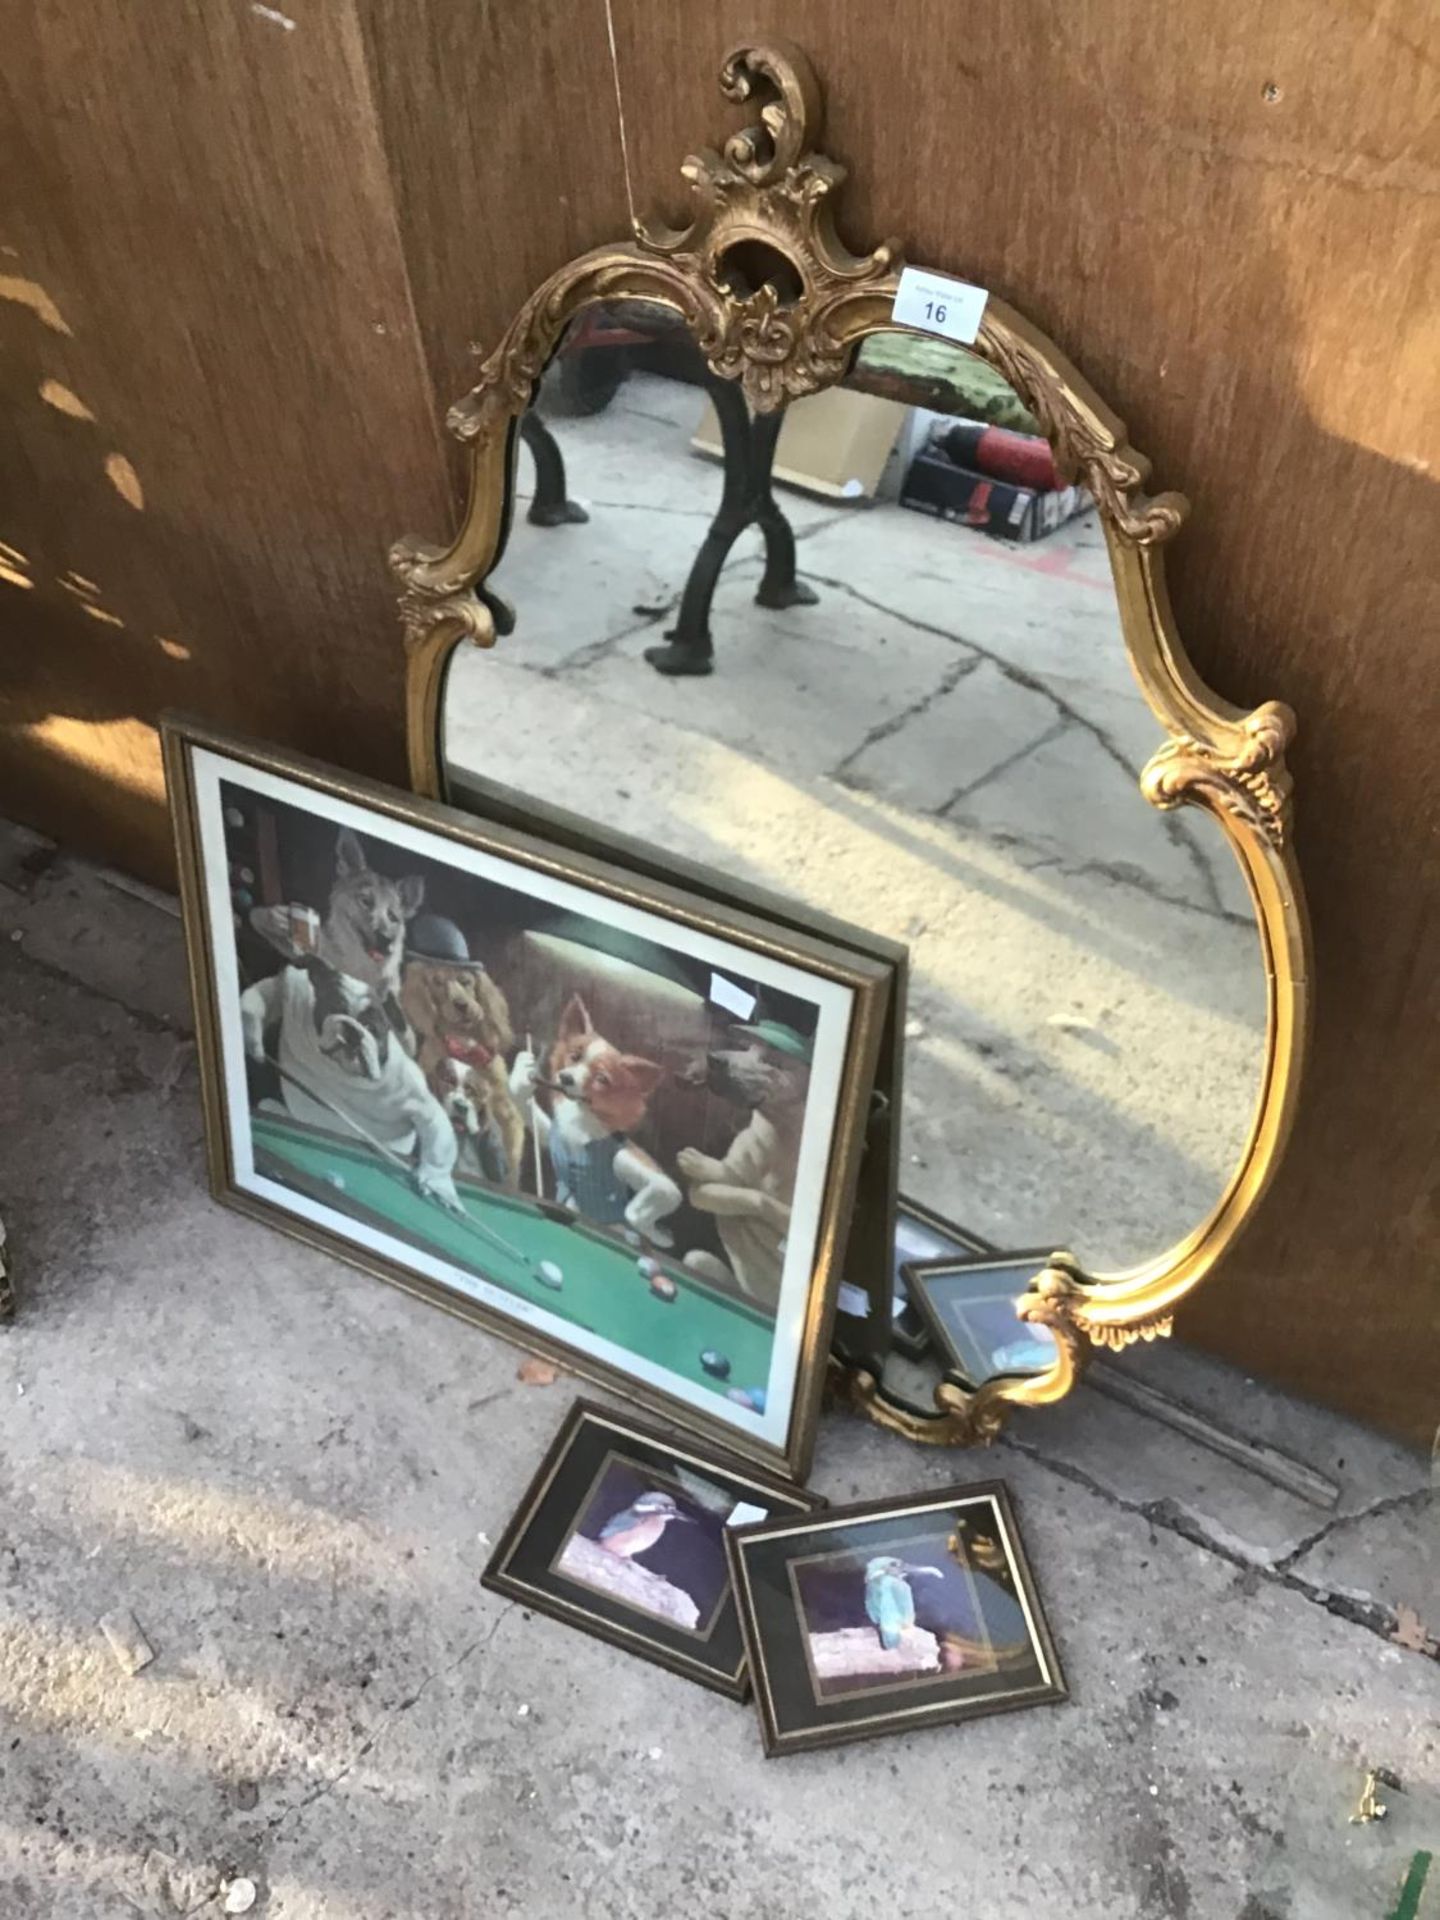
(603, 1292)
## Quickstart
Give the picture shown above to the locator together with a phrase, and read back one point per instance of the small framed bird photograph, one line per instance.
(622, 1533)
(890, 1616)
(968, 1307)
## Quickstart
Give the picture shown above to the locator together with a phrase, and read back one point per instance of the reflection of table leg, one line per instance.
(501, 611)
(688, 647)
(746, 500)
(779, 585)
(550, 506)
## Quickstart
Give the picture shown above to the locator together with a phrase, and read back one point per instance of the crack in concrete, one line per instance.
(1376, 1509)
(382, 1727)
(589, 656)
(1178, 837)
(910, 620)
(1002, 767)
(820, 526)
(16, 953)
(883, 729)
(1124, 875)
(1119, 872)
(1170, 1517)
(1034, 683)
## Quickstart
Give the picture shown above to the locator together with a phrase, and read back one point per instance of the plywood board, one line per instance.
(218, 413)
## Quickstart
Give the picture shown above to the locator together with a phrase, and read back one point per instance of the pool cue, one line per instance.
(398, 1160)
(535, 1129)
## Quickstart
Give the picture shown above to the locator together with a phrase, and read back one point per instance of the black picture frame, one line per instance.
(822, 1670)
(951, 1297)
(599, 1458)
(908, 1330)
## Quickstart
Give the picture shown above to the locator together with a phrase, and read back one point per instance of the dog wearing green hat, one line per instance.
(750, 1191)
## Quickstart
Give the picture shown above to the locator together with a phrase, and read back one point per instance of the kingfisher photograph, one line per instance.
(622, 1533)
(870, 1619)
(619, 1123)
(653, 1542)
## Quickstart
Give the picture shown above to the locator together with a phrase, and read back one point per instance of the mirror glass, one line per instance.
(920, 717)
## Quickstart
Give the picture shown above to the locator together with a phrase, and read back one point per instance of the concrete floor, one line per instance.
(945, 748)
(290, 1474)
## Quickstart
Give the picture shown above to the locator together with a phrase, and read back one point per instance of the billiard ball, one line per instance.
(752, 1398)
(663, 1287)
(715, 1363)
(336, 1180)
(648, 1267)
(549, 1275)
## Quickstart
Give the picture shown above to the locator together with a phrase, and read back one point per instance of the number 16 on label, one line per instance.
(934, 304)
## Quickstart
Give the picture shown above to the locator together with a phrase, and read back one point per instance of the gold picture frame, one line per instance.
(318, 1183)
(768, 197)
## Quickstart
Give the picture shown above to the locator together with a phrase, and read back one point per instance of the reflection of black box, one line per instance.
(936, 485)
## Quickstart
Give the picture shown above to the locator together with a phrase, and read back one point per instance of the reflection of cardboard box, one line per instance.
(934, 484)
(835, 443)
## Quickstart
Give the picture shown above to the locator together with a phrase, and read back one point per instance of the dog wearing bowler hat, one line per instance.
(462, 1022)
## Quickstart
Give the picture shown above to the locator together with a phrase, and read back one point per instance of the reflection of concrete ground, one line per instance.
(626, 1580)
(945, 748)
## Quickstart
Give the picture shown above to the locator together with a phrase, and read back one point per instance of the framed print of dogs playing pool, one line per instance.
(613, 1121)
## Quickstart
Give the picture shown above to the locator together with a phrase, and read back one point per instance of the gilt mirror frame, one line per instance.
(771, 191)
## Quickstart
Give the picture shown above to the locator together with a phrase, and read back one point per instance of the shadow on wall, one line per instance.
(104, 582)
(47, 541)
(1326, 611)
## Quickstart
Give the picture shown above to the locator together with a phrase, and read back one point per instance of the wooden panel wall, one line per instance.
(217, 412)
(504, 156)
(1228, 220)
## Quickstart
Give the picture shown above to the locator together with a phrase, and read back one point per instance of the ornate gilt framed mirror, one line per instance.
(761, 611)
